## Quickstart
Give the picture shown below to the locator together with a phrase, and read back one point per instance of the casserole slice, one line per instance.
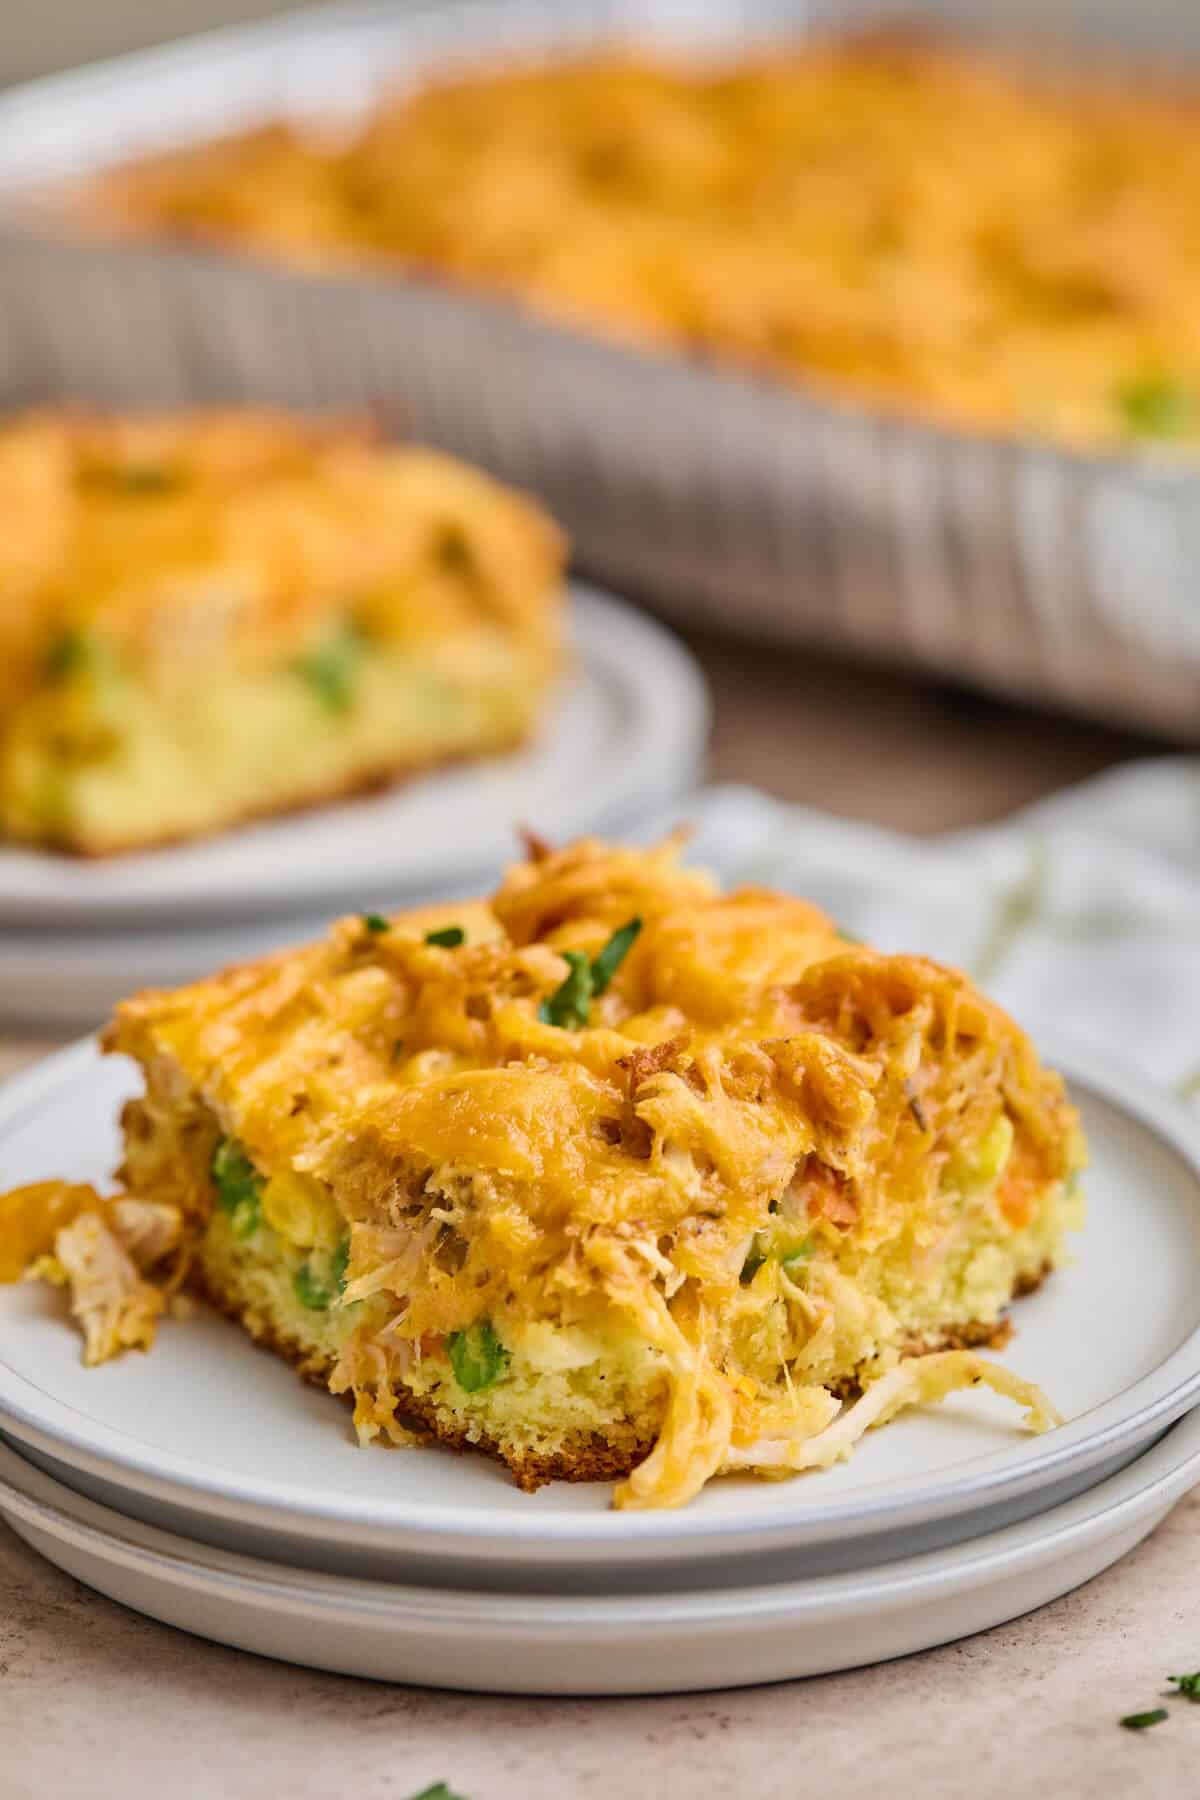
(612, 1177)
(218, 616)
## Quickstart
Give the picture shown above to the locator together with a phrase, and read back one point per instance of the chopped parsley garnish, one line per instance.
(753, 1263)
(847, 937)
(331, 669)
(1142, 1721)
(309, 1289)
(1188, 1685)
(439, 1791)
(449, 937)
(145, 478)
(613, 955)
(918, 1112)
(318, 1292)
(135, 478)
(569, 1005)
(477, 1357)
(239, 1187)
(376, 923)
(1155, 406)
(453, 550)
(67, 654)
(790, 1258)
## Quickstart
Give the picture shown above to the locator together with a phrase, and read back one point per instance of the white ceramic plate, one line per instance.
(635, 1644)
(625, 734)
(72, 980)
(208, 1434)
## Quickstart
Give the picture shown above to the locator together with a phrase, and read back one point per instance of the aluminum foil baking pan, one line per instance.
(726, 499)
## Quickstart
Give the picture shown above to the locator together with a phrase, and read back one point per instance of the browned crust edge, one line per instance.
(354, 787)
(593, 1458)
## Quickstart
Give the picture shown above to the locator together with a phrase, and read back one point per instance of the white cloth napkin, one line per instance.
(1080, 915)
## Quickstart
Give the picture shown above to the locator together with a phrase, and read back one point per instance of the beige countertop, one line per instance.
(95, 1701)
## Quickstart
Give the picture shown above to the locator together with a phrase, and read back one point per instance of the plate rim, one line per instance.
(1122, 1422)
(1161, 1475)
(674, 709)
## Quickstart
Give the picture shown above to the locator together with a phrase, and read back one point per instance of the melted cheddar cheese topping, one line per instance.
(927, 228)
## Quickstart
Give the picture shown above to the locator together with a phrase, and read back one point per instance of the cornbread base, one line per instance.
(357, 787)
(592, 1458)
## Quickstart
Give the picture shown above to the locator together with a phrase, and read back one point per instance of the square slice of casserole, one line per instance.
(614, 1176)
(218, 616)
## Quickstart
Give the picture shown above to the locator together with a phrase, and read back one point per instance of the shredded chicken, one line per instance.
(115, 1308)
(371, 1370)
(148, 1230)
(919, 1381)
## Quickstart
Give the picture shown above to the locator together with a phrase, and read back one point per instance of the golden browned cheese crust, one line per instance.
(835, 212)
(217, 616)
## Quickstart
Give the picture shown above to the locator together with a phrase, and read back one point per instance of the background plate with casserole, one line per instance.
(623, 736)
(219, 615)
(727, 497)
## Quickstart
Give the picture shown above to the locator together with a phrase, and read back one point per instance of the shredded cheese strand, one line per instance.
(917, 1381)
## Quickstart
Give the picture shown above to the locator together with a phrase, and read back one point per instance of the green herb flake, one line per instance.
(452, 550)
(310, 1290)
(790, 1257)
(448, 938)
(1143, 1721)
(569, 1006)
(847, 937)
(1155, 406)
(331, 669)
(67, 654)
(439, 1791)
(316, 1291)
(1187, 1685)
(570, 1003)
(753, 1263)
(477, 1357)
(239, 1187)
(613, 955)
(376, 924)
(145, 478)
(134, 478)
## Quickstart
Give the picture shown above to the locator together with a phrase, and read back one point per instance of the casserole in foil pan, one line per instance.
(726, 499)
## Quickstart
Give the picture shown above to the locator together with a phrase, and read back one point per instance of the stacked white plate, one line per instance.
(624, 738)
(208, 1487)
